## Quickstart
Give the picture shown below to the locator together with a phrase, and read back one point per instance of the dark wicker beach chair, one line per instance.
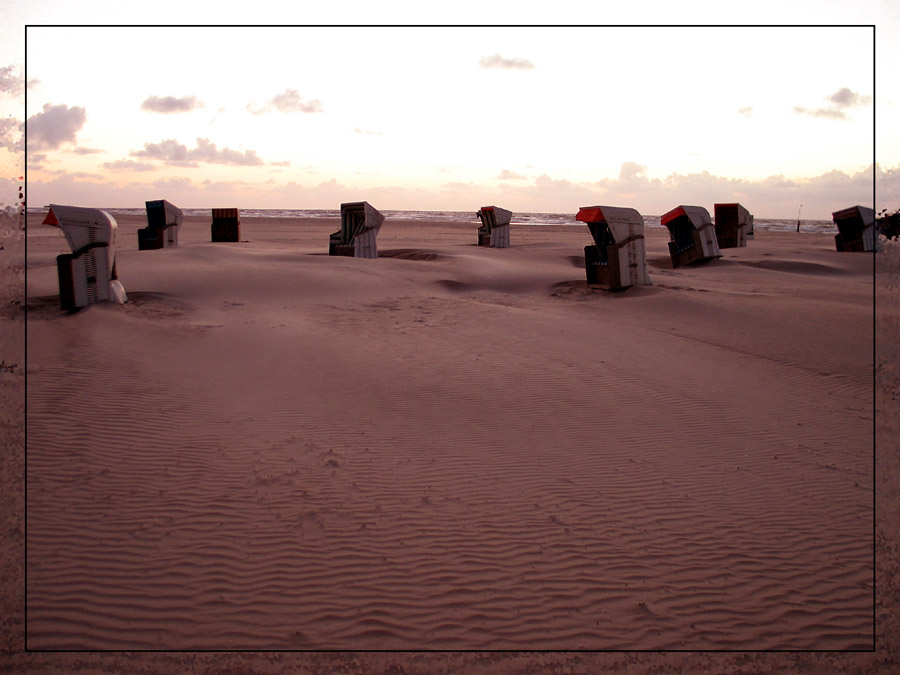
(163, 221)
(856, 229)
(226, 225)
(734, 225)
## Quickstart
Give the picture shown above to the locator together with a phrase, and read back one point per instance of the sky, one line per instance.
(532, 118)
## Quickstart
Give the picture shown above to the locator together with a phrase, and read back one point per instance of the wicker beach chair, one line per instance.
(856, 229)
(494, 230)
(163, 222)
(693, 237)
(734, 225)
(226, 225)
(617, 259)
(360, 222)
(87, 275)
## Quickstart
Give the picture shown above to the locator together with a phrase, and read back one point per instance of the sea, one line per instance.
(761, 224)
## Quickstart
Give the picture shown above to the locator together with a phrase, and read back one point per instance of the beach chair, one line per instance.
(734, 225)
(360, 222)
(226, 225)
(494, 230)
(693, 237)
(88, 274)
(163, 221)
(856, 229)
(617, 260)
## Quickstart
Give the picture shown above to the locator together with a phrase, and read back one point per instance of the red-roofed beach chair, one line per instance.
(88, 274)
(617, 260)
(693, 235)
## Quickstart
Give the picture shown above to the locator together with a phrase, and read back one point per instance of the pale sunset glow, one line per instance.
(544, 119)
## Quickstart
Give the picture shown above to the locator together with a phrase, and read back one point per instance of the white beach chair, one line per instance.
(693, 237)
(360, 223)
(617, 260)
(88, 274)
(494, 230)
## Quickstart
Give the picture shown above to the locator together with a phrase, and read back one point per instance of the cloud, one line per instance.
(87, 151)
(845, 98)
(288, 102)
(840, 100)
(174, 153)
(206, 151)
(497, 61)
(12, 135)
(32, 84)
(287, 162)
(169, 151)
(128, 165)
(830, 113)
(746, 111)
(10, 82)
(170, 104)
(366, 132)
(631, 170)
(56, 125)
(506, 174)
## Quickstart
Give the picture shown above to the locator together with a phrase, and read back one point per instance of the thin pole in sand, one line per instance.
(798, 217)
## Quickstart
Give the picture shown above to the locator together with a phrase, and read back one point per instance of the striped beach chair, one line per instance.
(617, 259)
(693, 237)
(494, 230)
(226, 225)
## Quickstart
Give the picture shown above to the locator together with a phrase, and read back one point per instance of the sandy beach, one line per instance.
(451, 447)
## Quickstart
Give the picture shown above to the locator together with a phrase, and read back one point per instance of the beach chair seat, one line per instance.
(226, 225)
(617, 259)
(494, 229)
(856, 229)
(734, 225)
(87, 275)
(163, 222)
(360, 223)
(693, 237)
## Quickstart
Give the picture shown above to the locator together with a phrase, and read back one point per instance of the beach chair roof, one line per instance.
(698, 215)
(174, 215)
(743, 213)
(82, 226)
(863, 213)
(501, 216)
(622, 221)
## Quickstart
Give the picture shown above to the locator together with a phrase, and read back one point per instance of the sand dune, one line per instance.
(450, 447)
